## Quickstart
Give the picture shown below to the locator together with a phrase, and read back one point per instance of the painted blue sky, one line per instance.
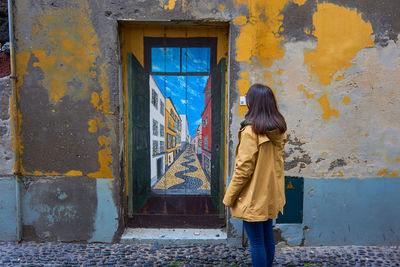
(176, 87)
(186, 92)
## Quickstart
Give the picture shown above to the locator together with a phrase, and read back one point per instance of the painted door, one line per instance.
(185, 121)
(159, 167)
(139, 132)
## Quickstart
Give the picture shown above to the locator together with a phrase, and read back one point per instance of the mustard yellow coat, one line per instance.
(257, 188)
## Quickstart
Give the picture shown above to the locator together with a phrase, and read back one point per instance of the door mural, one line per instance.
(185, 113)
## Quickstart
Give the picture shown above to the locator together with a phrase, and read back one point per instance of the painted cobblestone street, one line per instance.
(184, 176)
(69, 254)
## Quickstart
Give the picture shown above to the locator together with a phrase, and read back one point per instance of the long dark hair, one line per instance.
(263, 111)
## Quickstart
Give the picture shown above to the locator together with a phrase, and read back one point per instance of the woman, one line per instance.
(256, 192)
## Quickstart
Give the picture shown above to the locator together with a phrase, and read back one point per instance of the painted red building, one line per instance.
(206, 129)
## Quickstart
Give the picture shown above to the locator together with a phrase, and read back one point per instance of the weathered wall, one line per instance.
(68, 131)
(333, 64)
(9, 224)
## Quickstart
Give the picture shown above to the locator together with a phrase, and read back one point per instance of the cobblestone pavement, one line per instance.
(70, 254)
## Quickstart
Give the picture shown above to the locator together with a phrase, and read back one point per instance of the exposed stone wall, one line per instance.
(4, 36)
(7, 158)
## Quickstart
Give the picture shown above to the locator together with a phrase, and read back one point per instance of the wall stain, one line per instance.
(294, 145)
(302, 88)
(337, 163)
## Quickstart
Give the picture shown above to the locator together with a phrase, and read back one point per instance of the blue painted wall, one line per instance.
(68, 209)
(352, 211)
(8, 209)
(106, 220)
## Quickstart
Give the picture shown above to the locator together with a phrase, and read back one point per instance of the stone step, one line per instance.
(173, 236)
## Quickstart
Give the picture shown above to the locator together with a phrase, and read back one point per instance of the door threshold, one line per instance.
(176, 236)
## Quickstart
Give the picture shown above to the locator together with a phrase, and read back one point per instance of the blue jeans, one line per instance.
(262, 244)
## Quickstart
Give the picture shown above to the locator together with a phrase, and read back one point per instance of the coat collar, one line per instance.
(261, 138)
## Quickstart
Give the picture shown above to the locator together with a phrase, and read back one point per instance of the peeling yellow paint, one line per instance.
(93, 126)
(243, 86)
(170, 5)
(73, 54)
(346, 100)
(74, 173)
(240, 20)
(42, 173)
(301, 88)
(95, 100)
(70, 56)
(339, 77)
(341, 33)
(105, 159)
(105, 94)
(258, 38)
(245, 74)
(221, 7)
(383, 172)
(327, 111)
(21, 59)
(299, 2)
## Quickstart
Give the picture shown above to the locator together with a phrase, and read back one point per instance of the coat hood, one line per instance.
(274, 135)
(277, 138)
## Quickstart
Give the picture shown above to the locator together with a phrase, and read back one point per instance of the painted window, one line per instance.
(169, 123)
(155, 147)
(179, 125)
(154, 99)
(196, 59)
(207, 165)
(169, 141)
(162, 130)
(165, 59)
(162, 147)
(204, 121)
(155, 127)
(206, 142)
(162, 108)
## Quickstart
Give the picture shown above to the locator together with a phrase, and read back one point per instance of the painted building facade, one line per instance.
(206, 137)
(333, 66)
(196, 141)
(157, 122)
(173, 132)
(185, 137)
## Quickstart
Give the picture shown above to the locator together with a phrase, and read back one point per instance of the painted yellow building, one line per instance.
(172, 131)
